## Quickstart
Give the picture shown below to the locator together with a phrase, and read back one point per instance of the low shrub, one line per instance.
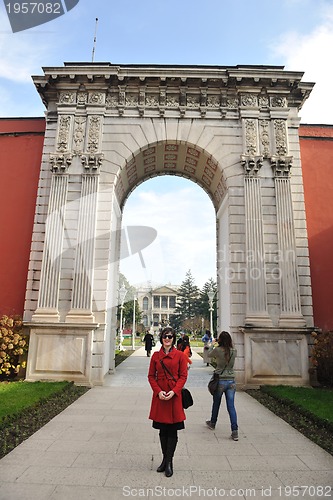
(322, 357)
(13, 347)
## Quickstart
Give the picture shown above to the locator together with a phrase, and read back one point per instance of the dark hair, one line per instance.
(184, 343)
(225, 341)
(168, 329)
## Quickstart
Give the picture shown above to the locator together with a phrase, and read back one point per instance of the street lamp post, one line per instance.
(134, 326)
(211, 295)
(122, 295)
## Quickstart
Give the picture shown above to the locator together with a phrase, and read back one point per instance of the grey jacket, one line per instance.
(224, 369)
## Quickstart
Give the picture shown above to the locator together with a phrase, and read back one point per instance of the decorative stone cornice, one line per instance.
(155, 90)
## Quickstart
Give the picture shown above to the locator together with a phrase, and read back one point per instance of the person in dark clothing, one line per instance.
(185, 347)
(149, 343)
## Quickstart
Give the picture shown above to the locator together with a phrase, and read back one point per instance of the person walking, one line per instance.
(149, 343)
(185, 347)
(225, 355)
(167, 375)
(207, 340)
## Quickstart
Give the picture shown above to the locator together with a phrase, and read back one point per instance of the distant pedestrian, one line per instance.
(167, 376)
(180, 340)
(185, 347)
(207, 341)
(225, 355)
(149, 343)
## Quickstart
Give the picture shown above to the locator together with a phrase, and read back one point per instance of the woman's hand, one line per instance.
(165, 396)
(169, 395)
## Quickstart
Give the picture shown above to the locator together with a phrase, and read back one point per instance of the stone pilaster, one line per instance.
(47, 309)
(290, 306)
(256, 304)
(81, 302)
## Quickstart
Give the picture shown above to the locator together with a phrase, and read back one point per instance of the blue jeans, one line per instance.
(229, 388)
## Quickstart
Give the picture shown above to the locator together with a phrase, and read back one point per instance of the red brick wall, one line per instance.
(21, 142)
(316, 143)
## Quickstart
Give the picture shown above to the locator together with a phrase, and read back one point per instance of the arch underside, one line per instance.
(177, 158)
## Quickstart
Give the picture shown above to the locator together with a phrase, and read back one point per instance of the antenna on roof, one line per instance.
(94, 46)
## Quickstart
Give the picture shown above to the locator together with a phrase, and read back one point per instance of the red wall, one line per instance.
(316, 143)
(21, 142)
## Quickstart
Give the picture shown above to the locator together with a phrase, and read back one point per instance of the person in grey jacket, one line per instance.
(225, 355)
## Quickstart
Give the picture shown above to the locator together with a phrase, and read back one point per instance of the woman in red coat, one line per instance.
(166, 409)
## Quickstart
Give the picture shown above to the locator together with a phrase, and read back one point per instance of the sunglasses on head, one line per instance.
(167, 336)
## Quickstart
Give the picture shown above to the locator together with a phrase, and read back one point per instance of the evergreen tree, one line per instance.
(175, 322)
(128, 304)
(204, 309)
(187, 299)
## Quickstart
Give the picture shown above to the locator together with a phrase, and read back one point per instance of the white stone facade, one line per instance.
(234, 131)
(157, 305)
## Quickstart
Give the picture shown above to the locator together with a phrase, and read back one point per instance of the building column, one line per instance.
(291, 314)
(47, 308)
(256, 303)
(81, 301)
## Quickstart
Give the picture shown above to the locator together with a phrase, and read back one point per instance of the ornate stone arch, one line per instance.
(234, 131)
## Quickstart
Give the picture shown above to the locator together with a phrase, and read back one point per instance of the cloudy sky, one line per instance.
(296, 34)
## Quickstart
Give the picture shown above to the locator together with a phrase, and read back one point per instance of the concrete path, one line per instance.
(103, 447)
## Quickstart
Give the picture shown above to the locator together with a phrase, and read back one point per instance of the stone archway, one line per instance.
(231, 130)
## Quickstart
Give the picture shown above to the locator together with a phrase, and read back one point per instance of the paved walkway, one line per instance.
(103, 447)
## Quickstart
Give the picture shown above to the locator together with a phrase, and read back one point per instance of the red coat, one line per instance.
(171, 411)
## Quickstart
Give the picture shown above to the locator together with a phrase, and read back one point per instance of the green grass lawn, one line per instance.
(17, 396)
(318, 401)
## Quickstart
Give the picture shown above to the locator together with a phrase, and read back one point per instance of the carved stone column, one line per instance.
(47, 309)
(81, 302)
(290, 307)
(291, 314)
(256, 310)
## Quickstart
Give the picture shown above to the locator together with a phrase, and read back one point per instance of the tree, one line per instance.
(204, 309)
(175, 322)
(187, 299)
(128, 304)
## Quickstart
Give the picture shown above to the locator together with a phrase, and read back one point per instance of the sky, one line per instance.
(296, 34)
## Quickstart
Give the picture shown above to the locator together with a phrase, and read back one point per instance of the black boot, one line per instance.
(172, 444)
(164, 444)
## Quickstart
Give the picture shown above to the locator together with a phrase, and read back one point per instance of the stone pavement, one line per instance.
(103, 447)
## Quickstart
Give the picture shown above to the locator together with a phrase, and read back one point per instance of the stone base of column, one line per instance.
(80, 316)
(259, 320)
(274, 356)
(292, 321)
(60, 352)
(46, 315)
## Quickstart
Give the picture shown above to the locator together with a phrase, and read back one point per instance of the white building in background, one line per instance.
(157, 304)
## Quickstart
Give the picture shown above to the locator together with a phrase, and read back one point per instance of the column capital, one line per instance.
(251, 164)
(60, 162)
(281, 166)
(91, 163)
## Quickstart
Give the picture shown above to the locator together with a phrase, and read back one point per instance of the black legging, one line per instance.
(169, 433)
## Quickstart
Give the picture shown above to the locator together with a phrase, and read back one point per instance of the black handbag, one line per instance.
(187, 399)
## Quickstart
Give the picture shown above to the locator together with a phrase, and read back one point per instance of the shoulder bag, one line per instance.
(187, 399)
(213, 383)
